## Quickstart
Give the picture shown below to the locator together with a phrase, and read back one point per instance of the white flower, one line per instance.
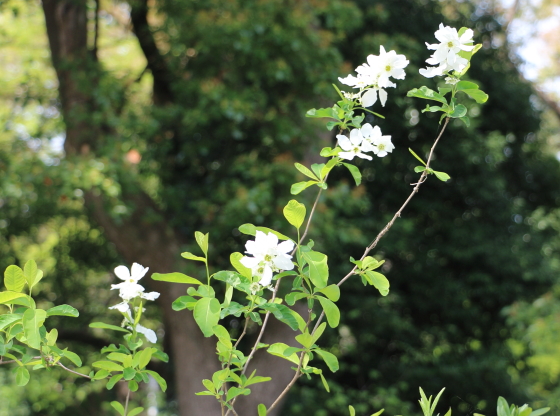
(268, 256)
(355, 145)
(375, 141)
(446, 52)
(374, 75)
(129, 288)
(129, 321)
(451, 80)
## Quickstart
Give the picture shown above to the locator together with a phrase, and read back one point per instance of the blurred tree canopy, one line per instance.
(180, 115)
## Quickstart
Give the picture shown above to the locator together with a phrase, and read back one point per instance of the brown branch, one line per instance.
(72, 371)
(156, 63)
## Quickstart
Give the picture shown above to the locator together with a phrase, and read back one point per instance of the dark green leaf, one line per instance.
(63, 310)
(355, 172)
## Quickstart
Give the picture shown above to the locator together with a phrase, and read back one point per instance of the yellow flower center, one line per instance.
(381, 147)
(450, 44)
(388, 68)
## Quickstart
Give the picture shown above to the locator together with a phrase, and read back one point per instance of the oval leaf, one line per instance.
(13, 278)
(32, 320)
(331, 311)
(103, 325)
(108, 365)
(294, 212)
(207, 314)
(22, 376)
(175, 278)
(63, 310)
(318, 268)
(330, 359)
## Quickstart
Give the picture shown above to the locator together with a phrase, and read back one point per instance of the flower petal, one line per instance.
(122, 272)
(148, 333)
(369, 98)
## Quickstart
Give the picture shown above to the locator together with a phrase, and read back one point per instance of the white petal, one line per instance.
(369, 98)
(283, 263)
(266, 276)
(138, 271)
(382, 97)
(344, 142)
(150, 296)
(121, 307)
(249, 262)
(356, 137)
(367, 130)
(346, 155)
(148, 333)
(122, 272)
(285, 246)
(361, 155)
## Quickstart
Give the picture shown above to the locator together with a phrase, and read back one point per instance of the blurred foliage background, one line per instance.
(473, 264)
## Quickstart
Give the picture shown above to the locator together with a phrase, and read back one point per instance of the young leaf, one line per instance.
(162, 383)
(442, 176)
(332, 292)
(427, 94)
(261, 409)
(355, 172)
(352, 410)
(318, 268)
(135, 411)
(416, 156)
(9, 297)
(234, 259)
(379, 281)
(477, 95)
(300, 186)
(13, 278)
(22, 376)
(278, 349)
(207, 314)
(118, 407)
(294, 212)
(459, 111)
(176, 278)
(282, 313)
(306, 171)
(202, 240)
(113, 380)
(63, 310)
(236, 280)
(108, 365)
(103, 325)
(331, 311)
(250, 229)
(8, 319)
(32, 320)
(419, 169)
(330, 359)
(30, 272)
(190, 256)
(317, 334)
(324, 381)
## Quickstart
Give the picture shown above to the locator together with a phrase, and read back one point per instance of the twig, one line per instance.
(72, 371)
(126, 402)
(397, 215)
(311, 213)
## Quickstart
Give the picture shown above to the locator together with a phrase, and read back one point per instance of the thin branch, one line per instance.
(126, 402)
(311, 213)
(72, 371)
(297, 375)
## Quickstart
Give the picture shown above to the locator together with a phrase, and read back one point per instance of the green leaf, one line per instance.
(278, 349)
(318, 268)
(190, 256)
(22, 376)
(30, 272)
(477, 95)
(144, 357)
(416, 156)
(442, 176)
(207, 314)
(322, 113)
(162, 383)
(108, 365)
(306, 171)
(304, 339)
(129, 373)
(236, 391)
(202, 240)
(294, 212)
(328, 152)
(466, 85)
(261, 409)
(282, 313)
(330, 359)
(355, 173)
(292, 297)
(427, 94)
(352, 411)
(8, 319)
(379, 281)
(540, 412)
(432, 109)
(72, 357)
(465, 120)
(135, 411)
(234, 259)
(103, 325)
(183, 302)
(459, 111)
(300, 186)
(223, 335)
(318, 332)
(176, 278)
(332, 292)
(113, 380)
(325, 383)
(419, 169)
(331, 311)
(443, 91)
(8, 297)
(236, 280)
(328, 167)
(63, 310)
(32, 320)
(118, 407)
(13, 279)
(250, 229)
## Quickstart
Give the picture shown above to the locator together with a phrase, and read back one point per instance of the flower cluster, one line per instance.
(129, 289)
(374, 75)
(364, 139)
(269, 256)
(446, 56)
